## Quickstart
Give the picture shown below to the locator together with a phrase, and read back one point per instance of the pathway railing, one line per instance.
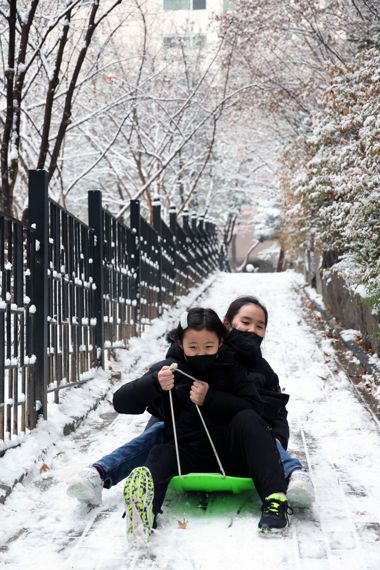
(70, 290)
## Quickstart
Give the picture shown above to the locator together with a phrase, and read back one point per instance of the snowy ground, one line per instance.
(331, 432)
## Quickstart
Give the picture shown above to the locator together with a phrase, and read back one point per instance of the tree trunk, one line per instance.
(233, 252)
(6, 188)
(281, 261)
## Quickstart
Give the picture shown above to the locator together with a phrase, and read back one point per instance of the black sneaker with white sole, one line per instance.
(274, 515)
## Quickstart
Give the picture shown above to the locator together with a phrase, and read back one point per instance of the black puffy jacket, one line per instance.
(273, 399)
(231, 390)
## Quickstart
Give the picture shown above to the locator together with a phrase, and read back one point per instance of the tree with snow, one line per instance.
(333, 187)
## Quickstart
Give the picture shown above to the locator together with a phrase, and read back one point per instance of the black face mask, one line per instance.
(200, 364)
(246, 342)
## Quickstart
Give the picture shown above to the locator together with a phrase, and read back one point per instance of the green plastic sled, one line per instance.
(210, 482)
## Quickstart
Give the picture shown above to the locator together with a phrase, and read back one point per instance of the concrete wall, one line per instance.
(350, 308)
(347, 306)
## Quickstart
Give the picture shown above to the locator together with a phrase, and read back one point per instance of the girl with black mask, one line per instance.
(246, 320)
(227, 399)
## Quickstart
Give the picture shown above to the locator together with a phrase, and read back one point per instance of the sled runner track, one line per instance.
(85, 533)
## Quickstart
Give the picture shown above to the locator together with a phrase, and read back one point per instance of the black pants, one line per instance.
(246, 447)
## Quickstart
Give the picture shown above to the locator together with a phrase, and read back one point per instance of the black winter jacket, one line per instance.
(231, 390)
(274, 400)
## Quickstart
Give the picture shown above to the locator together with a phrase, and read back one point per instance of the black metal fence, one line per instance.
(70, 290)
(17, 330)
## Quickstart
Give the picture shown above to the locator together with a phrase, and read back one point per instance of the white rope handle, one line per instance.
(212, 443)
(174, 367)
(175, 433)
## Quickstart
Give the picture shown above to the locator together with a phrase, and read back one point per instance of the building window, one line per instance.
(195, 41)
(184, 4)
(176, 4)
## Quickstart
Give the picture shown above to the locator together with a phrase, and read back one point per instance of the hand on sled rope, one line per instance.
(166, 378)
(198, 392)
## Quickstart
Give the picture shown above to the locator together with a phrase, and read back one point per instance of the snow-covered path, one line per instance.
(331, 432)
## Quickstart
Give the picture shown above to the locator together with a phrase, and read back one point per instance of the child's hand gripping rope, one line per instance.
(166, 377)
(198, 389)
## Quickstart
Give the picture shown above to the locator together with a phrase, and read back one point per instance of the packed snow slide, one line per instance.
(332, 433)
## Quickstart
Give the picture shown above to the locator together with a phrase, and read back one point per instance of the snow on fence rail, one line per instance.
(69, 291)
(17, 312)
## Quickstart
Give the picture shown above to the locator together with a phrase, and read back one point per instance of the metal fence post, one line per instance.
(157, 227)
(185, 221)
(39, 220)
(172, 219)
(95, 222)
(194, 224)
(135, 257)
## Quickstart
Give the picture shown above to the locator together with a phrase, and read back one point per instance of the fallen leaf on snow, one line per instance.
(182, 524)
(44, 468)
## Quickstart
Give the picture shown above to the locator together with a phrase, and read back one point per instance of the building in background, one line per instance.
(175, 23)
(188, 22)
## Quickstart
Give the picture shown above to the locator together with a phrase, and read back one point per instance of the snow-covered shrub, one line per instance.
(332, 177)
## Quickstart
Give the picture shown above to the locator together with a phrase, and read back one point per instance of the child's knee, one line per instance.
(246, 418)
(163, 453)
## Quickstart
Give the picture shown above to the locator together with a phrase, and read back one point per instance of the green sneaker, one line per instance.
(138, 497)
(274, 515)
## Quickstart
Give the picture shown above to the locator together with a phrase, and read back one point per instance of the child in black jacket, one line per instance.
(246, 320)
(231, 407)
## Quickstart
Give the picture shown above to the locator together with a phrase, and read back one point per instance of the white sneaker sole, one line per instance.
(273, 532)
(299, 496)
(138, 497)
(78, 489)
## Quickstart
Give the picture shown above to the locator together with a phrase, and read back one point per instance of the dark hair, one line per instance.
(236, 305)
(200, 319)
